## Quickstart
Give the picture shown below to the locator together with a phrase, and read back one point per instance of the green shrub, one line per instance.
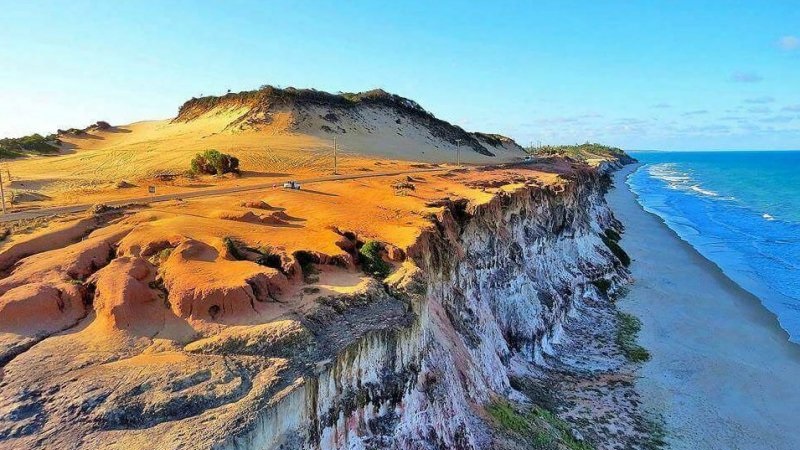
(371, 260)
(627, 329)
(212, 162)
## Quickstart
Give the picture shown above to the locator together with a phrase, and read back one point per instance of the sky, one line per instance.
(641, 74)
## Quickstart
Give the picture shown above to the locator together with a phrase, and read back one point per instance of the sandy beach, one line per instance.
(722, 373)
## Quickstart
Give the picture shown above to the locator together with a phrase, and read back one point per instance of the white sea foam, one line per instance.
(697, 188)
(678, 179)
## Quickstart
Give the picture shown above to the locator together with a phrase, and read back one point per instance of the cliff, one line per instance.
(165, 338)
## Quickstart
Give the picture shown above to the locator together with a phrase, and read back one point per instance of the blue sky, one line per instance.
(637, 74)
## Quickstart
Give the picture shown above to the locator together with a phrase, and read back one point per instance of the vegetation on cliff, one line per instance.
(583, 152)
(371, 261)
(611, 239)
(536, 427)
(627, 330)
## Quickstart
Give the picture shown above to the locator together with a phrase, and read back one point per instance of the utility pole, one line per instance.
(458, 152)
(334, 156)
(2, 192)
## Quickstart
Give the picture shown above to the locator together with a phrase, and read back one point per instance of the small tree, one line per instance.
(213, 162)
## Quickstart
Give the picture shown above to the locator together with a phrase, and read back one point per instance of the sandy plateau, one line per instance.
(146, 308)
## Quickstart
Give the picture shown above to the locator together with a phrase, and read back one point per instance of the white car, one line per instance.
(291, 185)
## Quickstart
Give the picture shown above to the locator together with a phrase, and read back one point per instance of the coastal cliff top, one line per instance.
(232, 297)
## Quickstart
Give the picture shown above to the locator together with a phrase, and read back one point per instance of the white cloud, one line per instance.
(695, 113)
(746, 77)
(759, 110)
(760, 100)
(789, 42)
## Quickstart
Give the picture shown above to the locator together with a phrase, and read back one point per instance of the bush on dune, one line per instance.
(212, 162)
(34, 143)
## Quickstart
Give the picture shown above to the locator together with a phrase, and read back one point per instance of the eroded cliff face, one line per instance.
(489, 290)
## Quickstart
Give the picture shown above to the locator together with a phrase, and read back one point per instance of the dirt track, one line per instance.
(31, 214)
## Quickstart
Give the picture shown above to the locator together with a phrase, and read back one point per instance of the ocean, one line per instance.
(740, 210)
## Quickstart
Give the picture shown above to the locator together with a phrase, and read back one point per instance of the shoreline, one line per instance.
(723, 372)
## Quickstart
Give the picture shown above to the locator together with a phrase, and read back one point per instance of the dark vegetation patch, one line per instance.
(602, 285)
(613, 235)
(212, 162)
(610, 238)
(628, 327)
(269, 259)
(306, 261)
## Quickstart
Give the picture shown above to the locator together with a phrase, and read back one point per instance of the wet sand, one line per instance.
(722, 373)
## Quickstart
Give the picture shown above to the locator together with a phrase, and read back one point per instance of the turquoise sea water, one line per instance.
(741, 210)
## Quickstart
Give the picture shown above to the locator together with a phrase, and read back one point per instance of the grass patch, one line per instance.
(164, 254)
(371, 261)
(563, 428)
(627, 329)
(538, 427)
(508, 418)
